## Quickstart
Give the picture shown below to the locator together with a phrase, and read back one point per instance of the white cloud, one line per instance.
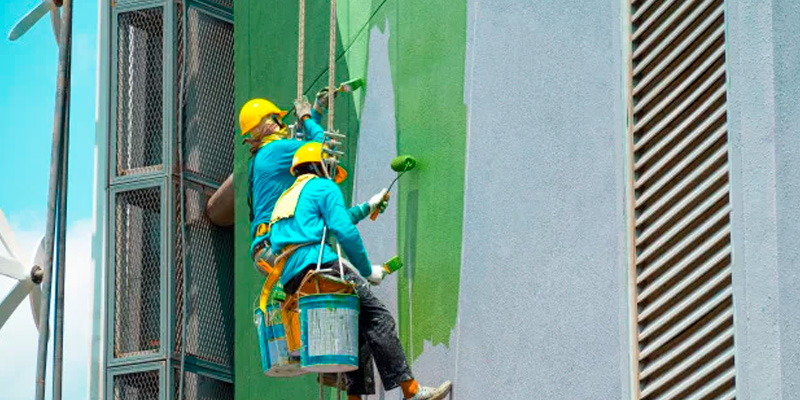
(19, 338)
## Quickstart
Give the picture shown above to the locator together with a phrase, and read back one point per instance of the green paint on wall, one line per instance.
(427, 50)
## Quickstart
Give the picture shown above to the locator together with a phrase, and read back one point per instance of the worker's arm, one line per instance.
(313, 130)
(338, 220)
(363, 210)
(358, 212)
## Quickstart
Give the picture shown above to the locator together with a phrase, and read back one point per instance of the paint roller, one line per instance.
(401, 164)
(392, 265)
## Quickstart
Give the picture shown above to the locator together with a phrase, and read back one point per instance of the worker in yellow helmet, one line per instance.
(302, 215)
(272, 149)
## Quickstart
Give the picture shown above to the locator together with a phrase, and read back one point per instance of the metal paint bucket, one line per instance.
(329, 332)
(262, 337)
(280, 363)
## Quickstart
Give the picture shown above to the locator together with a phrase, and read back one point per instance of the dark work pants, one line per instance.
(377, 337)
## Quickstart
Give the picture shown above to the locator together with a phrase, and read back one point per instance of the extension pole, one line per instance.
(60, 122)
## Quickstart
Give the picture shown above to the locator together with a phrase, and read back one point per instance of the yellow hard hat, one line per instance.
(254, 111)
(311, 152)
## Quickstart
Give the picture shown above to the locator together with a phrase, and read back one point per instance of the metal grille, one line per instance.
(681, 200)
(209, 103)
(224, 3)
(139, 91)
(209, 257)
(200, 387)
(137, 278)
(137, 386)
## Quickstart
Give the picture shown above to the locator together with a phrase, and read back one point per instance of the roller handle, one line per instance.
(374, 215)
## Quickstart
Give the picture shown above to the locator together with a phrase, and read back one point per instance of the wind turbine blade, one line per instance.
(28, 20)
(35, 297)
(12, 300)
(12, 269)
(8, 238)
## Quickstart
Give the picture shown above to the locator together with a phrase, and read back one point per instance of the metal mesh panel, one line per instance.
(200, 387)
(137, 386)
(137, 290)
(139, 91)
(681, 200)
(209, 103)
(224, 3)
(209, 257)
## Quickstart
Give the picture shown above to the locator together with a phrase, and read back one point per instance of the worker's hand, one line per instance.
(377, 201)
(322, 99)
(302, 109)
(376, 276)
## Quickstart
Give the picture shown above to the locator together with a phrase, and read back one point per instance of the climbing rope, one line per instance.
(331, 64)
(330, 134)
(301, 53)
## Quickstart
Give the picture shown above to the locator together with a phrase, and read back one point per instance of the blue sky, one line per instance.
(27, 100)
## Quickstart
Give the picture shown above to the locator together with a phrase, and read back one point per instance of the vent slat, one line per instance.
(653, 17)
(683, 222)
(657, 130)
(715, 158)
(684, 283)
(723, 234)
(688, 156)
(708, 119)
(683, 307)
(694, 340)
(658, 211)
(681, 246)
(665, 101)
(687, 362)
(681, 47)
(699, 376)
(681, 67)
(714, 385)
(692, 318)
(644, 46)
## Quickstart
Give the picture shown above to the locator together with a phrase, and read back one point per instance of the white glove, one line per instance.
(376, 200)
(302, 108)
(376, 276)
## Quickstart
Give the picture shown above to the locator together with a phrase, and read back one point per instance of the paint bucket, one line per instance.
(280, 363)
(262, 336)
(329, 332)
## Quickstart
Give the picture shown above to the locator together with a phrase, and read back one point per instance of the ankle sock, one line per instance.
(410, 388)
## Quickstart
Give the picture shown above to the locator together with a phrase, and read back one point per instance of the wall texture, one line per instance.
(764, 55)
(512, 227)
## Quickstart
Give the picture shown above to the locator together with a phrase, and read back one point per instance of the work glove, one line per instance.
(377, 202)
(322, 100)
(376, 276)
(302, 108)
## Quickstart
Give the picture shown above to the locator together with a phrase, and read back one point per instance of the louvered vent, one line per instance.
(681, 200)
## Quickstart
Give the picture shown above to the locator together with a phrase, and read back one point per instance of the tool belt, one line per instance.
(275, 270)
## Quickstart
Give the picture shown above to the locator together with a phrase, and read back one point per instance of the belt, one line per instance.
(259, 246)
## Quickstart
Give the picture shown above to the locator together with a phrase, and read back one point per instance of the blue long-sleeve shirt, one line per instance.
(320, 204)
(269, 174)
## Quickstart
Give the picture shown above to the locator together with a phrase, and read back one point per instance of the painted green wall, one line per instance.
(427, 53)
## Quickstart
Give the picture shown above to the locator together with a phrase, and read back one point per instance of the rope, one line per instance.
(331, 64)
(301, 46)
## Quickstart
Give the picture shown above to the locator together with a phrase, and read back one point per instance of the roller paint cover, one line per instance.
(403, 163)
(392, 265)
(352, 85)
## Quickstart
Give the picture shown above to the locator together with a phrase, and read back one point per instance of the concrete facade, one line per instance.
(517, 286)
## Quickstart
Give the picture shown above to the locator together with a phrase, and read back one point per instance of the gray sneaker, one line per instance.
(429, 393)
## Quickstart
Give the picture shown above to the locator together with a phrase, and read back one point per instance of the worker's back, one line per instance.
(320, 204)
